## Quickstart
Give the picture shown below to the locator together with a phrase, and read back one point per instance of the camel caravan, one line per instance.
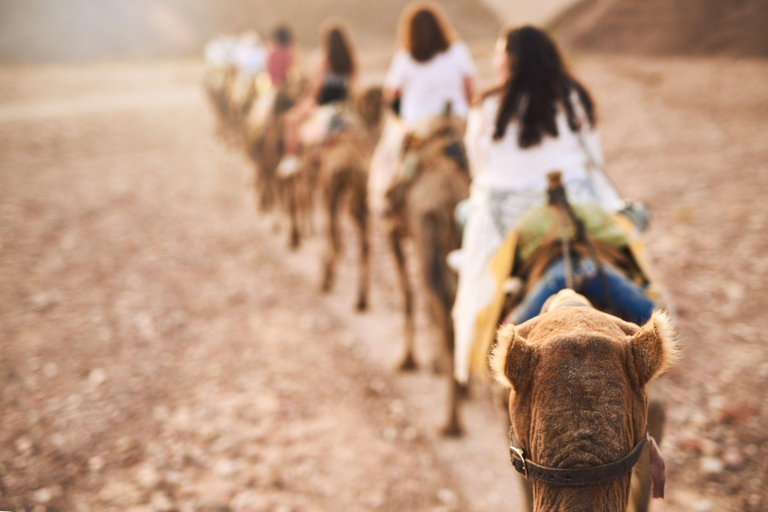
(530, 263)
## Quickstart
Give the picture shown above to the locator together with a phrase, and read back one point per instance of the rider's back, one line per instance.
(503, 165)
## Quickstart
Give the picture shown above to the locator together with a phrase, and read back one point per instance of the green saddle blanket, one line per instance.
(538, 225)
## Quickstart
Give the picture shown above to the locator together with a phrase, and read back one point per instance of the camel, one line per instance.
(343, 163)
(578, 382)
(421, 208)
(264, 144)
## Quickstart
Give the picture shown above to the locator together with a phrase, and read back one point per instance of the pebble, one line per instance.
(733, 457)
(711, 465)
(447, 497)
(161, 501)
(44, 495)
(96, 464)
(50, 370)
(703, 506)
(147, 476)
(23, 444)
(97, 377)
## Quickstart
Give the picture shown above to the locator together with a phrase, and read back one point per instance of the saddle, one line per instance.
(437, 136)
(547, 234)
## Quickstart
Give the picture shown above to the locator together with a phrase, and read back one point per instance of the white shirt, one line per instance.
(426, 87)
(504, 165)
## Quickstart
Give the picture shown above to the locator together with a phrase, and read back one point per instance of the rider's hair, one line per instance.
(282, 35)
(337, 46)
(539, 83)
(425, 31)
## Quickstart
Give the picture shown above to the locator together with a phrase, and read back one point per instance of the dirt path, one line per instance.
(156, 350)
(161, 346)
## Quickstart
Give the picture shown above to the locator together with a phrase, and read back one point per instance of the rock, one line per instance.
(702, 506)
(24, 445)
(250, 500)
(120, 494)
(447, 497)
(97, 377)
(96, 464)
(50, 370)
(125, 443)
(44, 495)
(711, 465)
(225, 467)
(147, 477)
(161, 501)
(733, 457)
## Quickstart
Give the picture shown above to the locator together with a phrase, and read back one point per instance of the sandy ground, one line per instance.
(162, 350)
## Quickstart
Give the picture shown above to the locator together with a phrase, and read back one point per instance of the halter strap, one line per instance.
(575, 477)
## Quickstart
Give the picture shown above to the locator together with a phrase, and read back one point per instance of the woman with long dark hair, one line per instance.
(539, 119)
(332, 75)
(431, 68)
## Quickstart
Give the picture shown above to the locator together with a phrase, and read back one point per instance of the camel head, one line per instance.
(578, 396)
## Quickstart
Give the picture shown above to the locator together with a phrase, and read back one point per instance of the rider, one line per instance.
(431, 69)
(280, 55)
(332, 76)
(539, 119)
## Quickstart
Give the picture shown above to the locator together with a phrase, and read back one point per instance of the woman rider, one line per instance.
(431, 69)
(540, 119)
(332, 75)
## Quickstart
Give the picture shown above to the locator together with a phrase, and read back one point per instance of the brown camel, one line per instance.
(421, 207)
(578, 395)
(342, 169)
(264, 144)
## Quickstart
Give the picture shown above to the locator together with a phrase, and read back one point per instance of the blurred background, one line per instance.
(161, 349)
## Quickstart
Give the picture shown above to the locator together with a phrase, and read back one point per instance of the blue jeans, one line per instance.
(627, 298)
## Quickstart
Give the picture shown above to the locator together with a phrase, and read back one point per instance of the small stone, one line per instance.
(702, 506)
(249, 500)
(97, 377)
(733, 457)
(96, 464)
(124, 444)
(147, 476)
(161, 501)
(447, 497)
(44, 495)
(50, 370)
(711, 465)
(24, 444)
(225, 468)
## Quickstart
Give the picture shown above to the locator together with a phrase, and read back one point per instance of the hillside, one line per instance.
(658, 27)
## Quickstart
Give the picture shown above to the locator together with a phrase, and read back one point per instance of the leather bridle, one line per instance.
(585, 476)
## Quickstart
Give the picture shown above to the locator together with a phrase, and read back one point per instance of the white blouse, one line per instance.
(504, 166)
(425, 87)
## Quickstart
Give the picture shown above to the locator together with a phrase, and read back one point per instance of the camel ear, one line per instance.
(655, 347)
(511, 358)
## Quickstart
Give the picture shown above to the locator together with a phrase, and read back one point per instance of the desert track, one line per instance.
(161, 347)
